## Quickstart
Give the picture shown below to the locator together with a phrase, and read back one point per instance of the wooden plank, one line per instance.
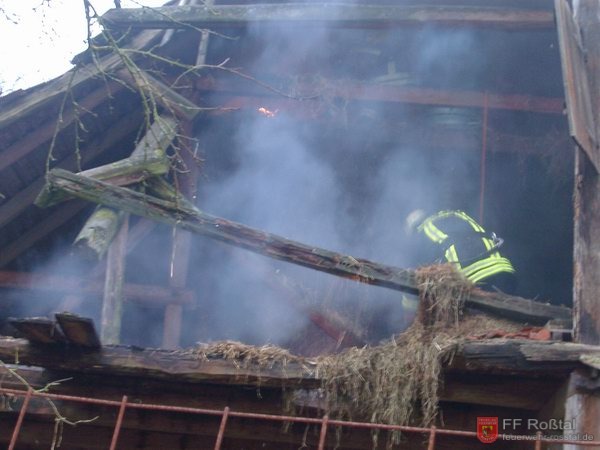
(20, 201)
(362, 270)
(78, 330)
(341, 15)
(144, 293)
(582, 125)
(38, 330)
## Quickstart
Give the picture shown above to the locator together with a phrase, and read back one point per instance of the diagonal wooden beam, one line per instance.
(181, 215)
(342, 15)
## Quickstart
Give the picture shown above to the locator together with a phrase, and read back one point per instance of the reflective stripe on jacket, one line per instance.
(487, 263)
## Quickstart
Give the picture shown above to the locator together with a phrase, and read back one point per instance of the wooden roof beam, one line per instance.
(389, 94)
(340, 15)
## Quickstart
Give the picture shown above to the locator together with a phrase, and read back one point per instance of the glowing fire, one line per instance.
(267, 112)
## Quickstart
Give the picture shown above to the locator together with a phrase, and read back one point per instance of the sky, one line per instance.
(40, 37)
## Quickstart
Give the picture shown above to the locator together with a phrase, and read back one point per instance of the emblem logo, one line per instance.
(487, 429)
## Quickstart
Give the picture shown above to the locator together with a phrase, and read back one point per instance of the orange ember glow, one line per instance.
(267, 112)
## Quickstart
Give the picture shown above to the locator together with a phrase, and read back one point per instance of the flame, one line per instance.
(267, 112)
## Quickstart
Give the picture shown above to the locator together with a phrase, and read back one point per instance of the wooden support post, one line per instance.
(583, 406)
(181, 243)
(112, 303)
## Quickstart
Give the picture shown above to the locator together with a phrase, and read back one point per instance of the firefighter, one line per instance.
(460, 240)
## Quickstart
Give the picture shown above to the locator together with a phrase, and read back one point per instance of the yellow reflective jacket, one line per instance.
(466, 245)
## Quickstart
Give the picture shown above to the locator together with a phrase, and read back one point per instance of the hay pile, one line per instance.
(397, 382)
(243, 355)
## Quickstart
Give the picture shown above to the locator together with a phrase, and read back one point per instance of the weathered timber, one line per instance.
(78, 330)
(160, 364)
(342, 15)
(148, 159)
(40, 330)
(144, 293)
(98, 232)
(160, 93)
(525, 356)
(287, 250)
(114, 281)
(581, 406)
(494, 355)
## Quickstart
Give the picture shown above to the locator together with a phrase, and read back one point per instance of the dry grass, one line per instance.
(397, 382)
(243, 355)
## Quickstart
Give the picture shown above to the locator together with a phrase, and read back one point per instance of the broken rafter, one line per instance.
(340, 15)
(98, 232)
(149, 158)
(181, 215)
